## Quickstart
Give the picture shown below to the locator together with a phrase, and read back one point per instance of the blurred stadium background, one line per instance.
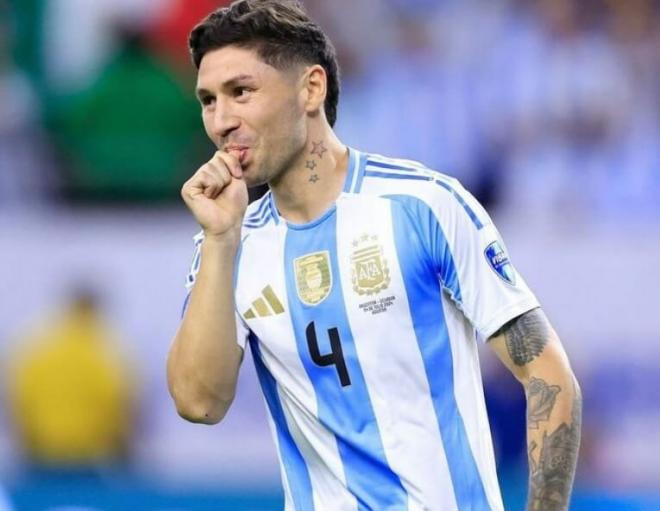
(547, 110)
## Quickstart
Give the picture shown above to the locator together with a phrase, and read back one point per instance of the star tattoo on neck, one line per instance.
(318, 149)
(311, 164)
(314, 178)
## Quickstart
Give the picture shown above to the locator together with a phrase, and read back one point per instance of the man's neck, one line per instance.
(314, 181)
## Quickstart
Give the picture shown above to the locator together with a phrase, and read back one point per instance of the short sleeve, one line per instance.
(471, 259)
(242, 330)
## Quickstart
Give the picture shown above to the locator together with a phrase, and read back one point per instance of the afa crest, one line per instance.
(369, 270)
(313, 277)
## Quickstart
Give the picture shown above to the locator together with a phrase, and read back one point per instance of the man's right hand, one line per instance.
(217, 195)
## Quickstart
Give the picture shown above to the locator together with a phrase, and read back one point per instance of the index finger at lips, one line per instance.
(219, 171)
(231, 161)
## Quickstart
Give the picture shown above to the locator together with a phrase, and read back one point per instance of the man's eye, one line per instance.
(241, 92)
(207, 100)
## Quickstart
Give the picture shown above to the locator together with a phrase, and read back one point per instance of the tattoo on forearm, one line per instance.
(551, 478)
(541, 399)
(318, 148)
(526, 336)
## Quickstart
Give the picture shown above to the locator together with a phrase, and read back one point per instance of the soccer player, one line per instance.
(360, 283)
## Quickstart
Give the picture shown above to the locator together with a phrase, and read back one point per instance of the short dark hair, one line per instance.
(280, 31)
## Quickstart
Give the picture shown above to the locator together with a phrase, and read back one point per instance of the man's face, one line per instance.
(252, 110)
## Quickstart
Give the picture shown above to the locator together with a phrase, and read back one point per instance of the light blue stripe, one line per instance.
(197, 260)
(424, 299)
(383, 165)
(407, 168)
(387, 175)
(345, 410)
(473, 216)
(294, 464)
(352, 169)
(273, 209)
(362, 161)
(265, 218)
(256, 226)
(258, 214)
(237, 260)
(440, 179)
(429, 230)
(185, 305)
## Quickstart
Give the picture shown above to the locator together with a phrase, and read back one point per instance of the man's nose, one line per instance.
(224, 120)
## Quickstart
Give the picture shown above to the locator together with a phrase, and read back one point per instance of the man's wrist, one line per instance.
(228, 240)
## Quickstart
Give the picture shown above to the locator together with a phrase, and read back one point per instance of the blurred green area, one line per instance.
(133, 134)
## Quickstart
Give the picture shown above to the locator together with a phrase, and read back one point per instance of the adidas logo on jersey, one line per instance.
(266, 305)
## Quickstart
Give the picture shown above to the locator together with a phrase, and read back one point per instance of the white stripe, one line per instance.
(288, 499)
(280, 355)
(396, 161)
(413, 165)
(387, 348)
(319, 449)
(468, 390)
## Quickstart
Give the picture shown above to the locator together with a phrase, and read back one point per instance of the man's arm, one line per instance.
(203, 363)
(531, 350)
(204, 360)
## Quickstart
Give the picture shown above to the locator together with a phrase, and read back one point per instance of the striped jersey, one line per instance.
(363, 327)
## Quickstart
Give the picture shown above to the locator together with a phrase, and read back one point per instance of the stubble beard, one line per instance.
(272, 170)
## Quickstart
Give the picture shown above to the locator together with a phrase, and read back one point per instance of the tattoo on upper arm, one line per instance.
(541, 399)
(526, 336)
(551, 478)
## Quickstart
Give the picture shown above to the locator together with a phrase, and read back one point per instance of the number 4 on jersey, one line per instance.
(335, 357)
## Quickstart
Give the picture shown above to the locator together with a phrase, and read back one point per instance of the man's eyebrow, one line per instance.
(201, 92)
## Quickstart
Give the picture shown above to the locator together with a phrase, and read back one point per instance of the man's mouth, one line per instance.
(239, 151)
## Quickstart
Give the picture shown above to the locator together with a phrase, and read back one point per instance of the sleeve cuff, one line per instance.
(507, 314)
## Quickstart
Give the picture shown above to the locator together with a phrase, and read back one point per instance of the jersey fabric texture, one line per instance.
(363, 327)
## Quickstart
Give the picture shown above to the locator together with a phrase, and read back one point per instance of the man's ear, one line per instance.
(315, 85)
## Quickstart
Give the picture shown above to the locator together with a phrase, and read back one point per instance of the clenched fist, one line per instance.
(217, 195)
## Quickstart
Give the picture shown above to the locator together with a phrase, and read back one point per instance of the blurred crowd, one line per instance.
(544, 105)
(547, 109)
(536, 105)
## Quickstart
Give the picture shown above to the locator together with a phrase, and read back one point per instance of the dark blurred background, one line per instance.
(547, 110)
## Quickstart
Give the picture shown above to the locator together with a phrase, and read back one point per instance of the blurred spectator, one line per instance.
(634, 27)
(134, 133)
(560, 106)
(70, 394)
(25, 171)
(75, 55)
(505, 402)
(414, 97)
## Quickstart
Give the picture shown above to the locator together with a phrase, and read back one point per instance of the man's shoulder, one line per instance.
(417, 187)
(260, 213)
(375, 162)
(400, 177)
